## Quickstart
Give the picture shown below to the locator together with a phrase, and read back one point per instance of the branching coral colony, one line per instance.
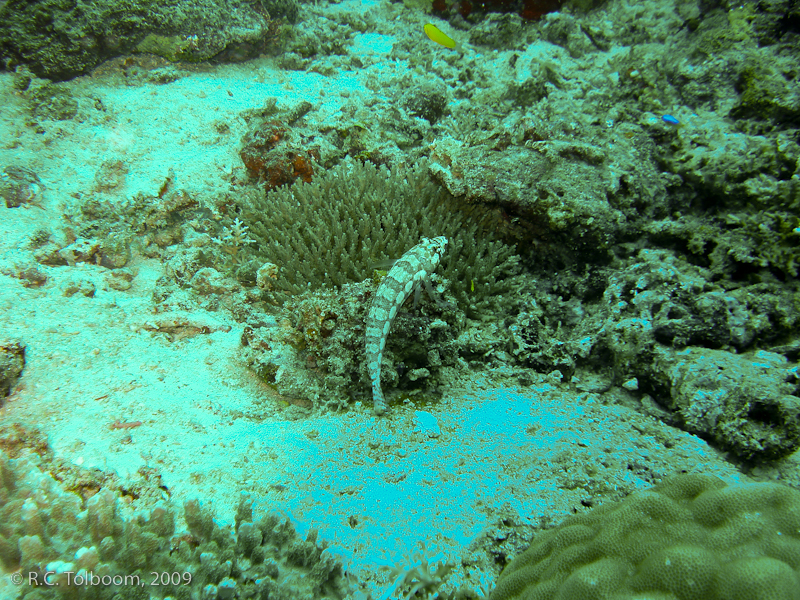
(232, 239)
(316, 247)
(423, 578)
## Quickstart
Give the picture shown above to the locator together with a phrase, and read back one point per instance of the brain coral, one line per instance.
(690, 538)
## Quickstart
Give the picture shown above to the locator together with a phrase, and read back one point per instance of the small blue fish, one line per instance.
(670, 120)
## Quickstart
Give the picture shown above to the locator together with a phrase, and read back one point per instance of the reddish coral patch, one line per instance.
(302, 168)
(528, 9)
(270, 156)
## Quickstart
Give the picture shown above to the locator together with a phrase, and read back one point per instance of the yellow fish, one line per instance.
(438, 36)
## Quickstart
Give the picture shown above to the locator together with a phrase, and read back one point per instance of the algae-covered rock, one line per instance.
(12, 361)
(766, 92)
(60, 40)
(50, 101)
(747, 404)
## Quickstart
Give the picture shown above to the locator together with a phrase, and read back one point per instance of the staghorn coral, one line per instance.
(317, 251)
(335, 229)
